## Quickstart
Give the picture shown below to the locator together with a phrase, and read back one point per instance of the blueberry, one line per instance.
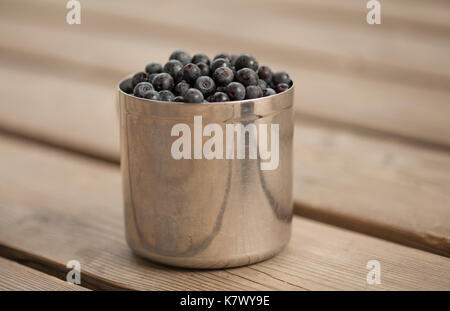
(151, 76)
(281, 77)
(220, 62)
(193, 96)
(268, 91)
(173, 67)
(246, 61)
(253, 91)
(281, 87)
(179, 99)
(166, 96)
(205, 84)
(141, 88)
(204, 68)
(151, 95)
(247, 76)
(223, 76)
(233, 60)
(265, 73)
(139, 77)
(127, 86)
(191, 72)
(162, 81)
(219, 97)
(222, 89)
(223, 55)
(153, 68)
(182, 56)
(200, 58)
(236, 91)
(181, 88)
(262, 84)
(179, 77)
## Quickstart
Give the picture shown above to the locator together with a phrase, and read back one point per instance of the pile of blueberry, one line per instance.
(197, 79)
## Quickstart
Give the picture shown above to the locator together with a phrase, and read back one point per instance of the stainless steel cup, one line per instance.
(205, 213)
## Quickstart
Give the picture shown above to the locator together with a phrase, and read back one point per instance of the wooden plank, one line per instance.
(71, 208)
(396, 14)
(378, 105)
(369, 184)
(373, 185)
(322, 38)
(62, 111)
(16, 277)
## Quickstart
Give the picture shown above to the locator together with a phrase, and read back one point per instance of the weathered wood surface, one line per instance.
(363, 182)
(389, 77)
(16, 277)
(371, 142)
(70, 208)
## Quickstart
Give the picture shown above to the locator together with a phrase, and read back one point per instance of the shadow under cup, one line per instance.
(207, 185)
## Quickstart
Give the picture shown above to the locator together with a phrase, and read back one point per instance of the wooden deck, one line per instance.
(372, 139)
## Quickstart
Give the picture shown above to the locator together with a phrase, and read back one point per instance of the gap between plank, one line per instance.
(105, 75)
(54, 269)
(427, 243)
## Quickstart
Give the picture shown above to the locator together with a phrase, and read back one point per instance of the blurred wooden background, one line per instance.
(372, 137)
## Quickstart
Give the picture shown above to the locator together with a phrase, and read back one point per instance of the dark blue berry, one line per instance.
(193, 96)
(200, 58)
(141, 88)
(233, 60)
(179, 99)
(166, 96)
(281, 87)
(162, 81)
(246, 61)
(191, 72)
(223, 55)
(236, 91)
(139, 77)
(173, 67)
(151, 76)
(222, 89)
(219, 97)
(247, 76)
(182, 56)
(179, 77)
(281, 77)
(153, 68)
(265, 73)
(181, 88)
(204, 68)
(206, 85)
(220, 62)
(153, 95)
(262, 84)
(223, 76)
(127, 86)
(253, 91)
(268, 91)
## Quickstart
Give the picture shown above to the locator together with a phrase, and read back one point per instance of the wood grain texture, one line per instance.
(70, 208)
(16, 277)
(373, 185)
(292, 29)
(365, 183)
(328, 183)
(383, 97)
